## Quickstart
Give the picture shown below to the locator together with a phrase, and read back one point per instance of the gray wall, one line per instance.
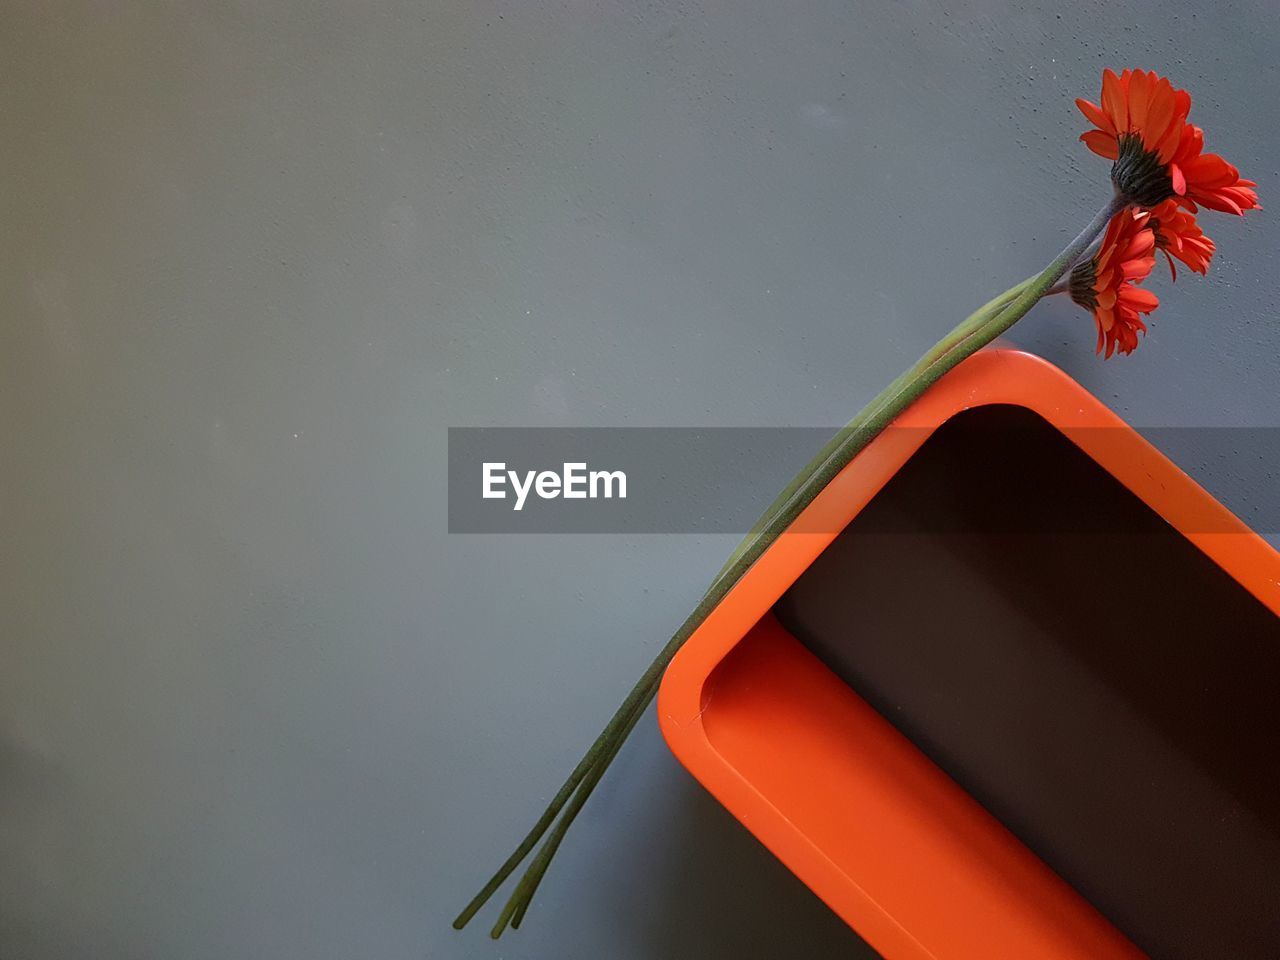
(254, 700)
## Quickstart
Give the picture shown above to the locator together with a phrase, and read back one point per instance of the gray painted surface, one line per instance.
(254, 701)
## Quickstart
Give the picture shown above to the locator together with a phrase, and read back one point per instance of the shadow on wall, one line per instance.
(727, 898)
(33, 797)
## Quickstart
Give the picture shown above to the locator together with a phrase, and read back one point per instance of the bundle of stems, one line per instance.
(977, 330)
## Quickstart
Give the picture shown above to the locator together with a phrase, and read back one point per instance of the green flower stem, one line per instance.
(980, 315)
(645, 689)
(612, 738)
(975, 332)
(523, 894)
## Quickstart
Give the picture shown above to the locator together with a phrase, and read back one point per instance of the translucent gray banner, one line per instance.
(994, 470)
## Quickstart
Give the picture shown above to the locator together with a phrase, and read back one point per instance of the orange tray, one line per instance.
(892, 844)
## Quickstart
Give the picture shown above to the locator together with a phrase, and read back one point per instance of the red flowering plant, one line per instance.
(1161, 178)
(1106, 284)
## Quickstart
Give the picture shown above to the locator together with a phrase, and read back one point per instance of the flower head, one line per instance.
(1142, 126)
(1178, 235)
(1207, 179)
(1139, 126)
(1107, 283)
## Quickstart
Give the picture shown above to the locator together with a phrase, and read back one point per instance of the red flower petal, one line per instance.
(1137, 298)
(1101, 143)
(1093, 113)
(1113, 101)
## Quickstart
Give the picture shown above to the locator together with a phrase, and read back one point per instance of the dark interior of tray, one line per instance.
(1079, 667)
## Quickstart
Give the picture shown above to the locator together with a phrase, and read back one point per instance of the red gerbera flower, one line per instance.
(1140, 104)
(1142, 126)
(1207, 179)
(1178, 235)
(1107, 283)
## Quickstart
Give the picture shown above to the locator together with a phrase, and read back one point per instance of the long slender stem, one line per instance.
(523, 895)
(645, 688)
(583, 768)
(994, 304)
(975, 332)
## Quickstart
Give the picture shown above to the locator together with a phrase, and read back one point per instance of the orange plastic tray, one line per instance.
(874, 827)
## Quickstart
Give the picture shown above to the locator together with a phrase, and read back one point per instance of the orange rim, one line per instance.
(894, 846)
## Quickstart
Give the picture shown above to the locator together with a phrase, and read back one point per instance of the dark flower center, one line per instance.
(1138, 174)
(1080, 285)
(1161, 240)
